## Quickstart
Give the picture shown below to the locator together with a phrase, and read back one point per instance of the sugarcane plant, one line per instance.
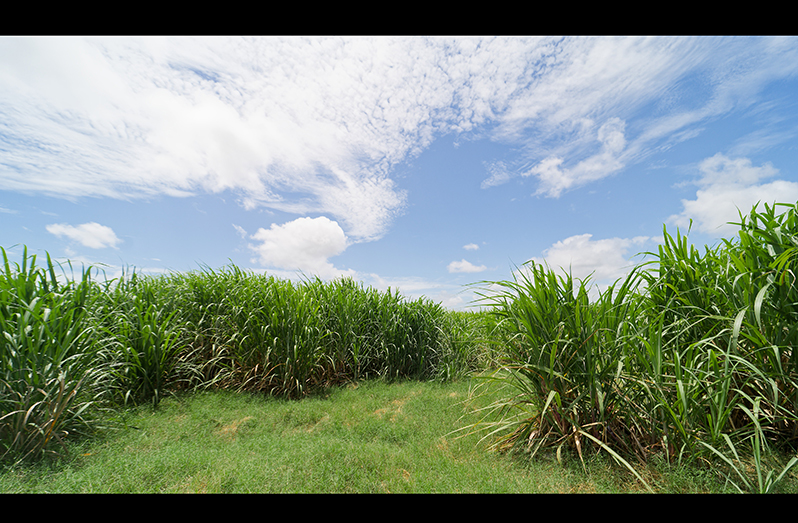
(46, 351)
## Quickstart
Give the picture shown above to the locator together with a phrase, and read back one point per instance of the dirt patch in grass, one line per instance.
(395, 408)
(230, 431)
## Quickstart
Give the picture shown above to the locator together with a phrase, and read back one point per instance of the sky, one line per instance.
(423, 164)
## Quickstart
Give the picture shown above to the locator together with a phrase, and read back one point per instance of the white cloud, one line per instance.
(410, 285)
(607, 259)
(464, 266)
(680, 83)
(315, 125)
(471, 247)
(92, 234)
(412, 288)
(554, 179)
(240, 230)
(297, 124)
(729, 186)
(499, 174)
(451, 301)
(303, 244)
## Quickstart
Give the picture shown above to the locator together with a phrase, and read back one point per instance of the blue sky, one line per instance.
(423, 164)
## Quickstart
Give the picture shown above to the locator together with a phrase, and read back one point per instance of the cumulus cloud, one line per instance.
(728, 186)
(471, 247)
(304, 244)
(607, 259)
(92, 234)
(414, 286)
(464, 266)
(451, 301)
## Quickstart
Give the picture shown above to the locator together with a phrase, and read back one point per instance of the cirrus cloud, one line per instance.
(332, 127)
(316, 125)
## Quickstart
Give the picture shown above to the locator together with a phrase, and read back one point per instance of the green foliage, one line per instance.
(689, 354)
(45, 356)
(141, 341)
(565, 358)
(132, 340)
(690, 357)
(288, 339)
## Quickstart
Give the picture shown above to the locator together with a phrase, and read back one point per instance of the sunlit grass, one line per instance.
(373, 438)
(370, 438)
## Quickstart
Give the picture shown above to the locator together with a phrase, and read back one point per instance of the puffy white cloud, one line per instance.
(464, 266)
(577, 83)
(92, 234)
(303, 244)
(471, 247)
(414, 286)
(730, 186)
(607, 259)
(451, 301)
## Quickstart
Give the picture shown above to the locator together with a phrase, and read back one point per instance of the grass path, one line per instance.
(373, 438)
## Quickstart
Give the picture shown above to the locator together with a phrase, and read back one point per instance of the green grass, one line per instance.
(373, 438)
